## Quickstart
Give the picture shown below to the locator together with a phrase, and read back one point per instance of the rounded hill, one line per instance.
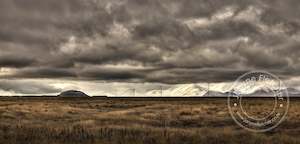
(73, 93)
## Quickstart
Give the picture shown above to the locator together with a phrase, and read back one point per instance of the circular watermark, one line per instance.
(258, 101)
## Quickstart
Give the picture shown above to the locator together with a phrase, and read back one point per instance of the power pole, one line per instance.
(134, 92)
(208, 91)
(161, 91)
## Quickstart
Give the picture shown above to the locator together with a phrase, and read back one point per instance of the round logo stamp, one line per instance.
(258, 101)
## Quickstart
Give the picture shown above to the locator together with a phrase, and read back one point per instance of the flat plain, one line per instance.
(45, 120)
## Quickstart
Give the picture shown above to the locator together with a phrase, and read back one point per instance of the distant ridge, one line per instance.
(73, 94)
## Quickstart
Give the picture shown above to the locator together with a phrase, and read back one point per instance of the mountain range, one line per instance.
(199, 90)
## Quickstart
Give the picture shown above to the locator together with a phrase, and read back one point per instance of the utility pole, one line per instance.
(134, 92)
(161, 91)
(208, 91)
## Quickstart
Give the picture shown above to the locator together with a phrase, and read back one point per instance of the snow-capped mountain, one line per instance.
(185, 90)
(180, 90)
(292, 92)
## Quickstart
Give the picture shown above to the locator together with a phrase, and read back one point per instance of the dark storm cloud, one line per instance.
(172, 41)
(16, 61)
(176, 75)
(112, 74)
(45, 73)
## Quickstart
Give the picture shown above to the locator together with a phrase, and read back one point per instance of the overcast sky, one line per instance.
(51, 45)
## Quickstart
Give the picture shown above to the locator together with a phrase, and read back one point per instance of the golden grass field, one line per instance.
(134, 121)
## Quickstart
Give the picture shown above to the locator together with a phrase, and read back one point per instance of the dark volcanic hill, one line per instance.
(73, 93)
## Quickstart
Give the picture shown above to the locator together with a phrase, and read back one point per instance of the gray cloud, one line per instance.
(15, 61)
(170, 41)
(177, 75)
(44, 73)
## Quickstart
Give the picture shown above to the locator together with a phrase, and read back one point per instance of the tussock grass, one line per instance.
(133, 122)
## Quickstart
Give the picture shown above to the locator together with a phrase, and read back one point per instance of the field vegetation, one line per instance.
(133, 121)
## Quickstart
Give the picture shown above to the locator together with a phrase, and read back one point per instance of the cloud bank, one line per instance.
(149, 41)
